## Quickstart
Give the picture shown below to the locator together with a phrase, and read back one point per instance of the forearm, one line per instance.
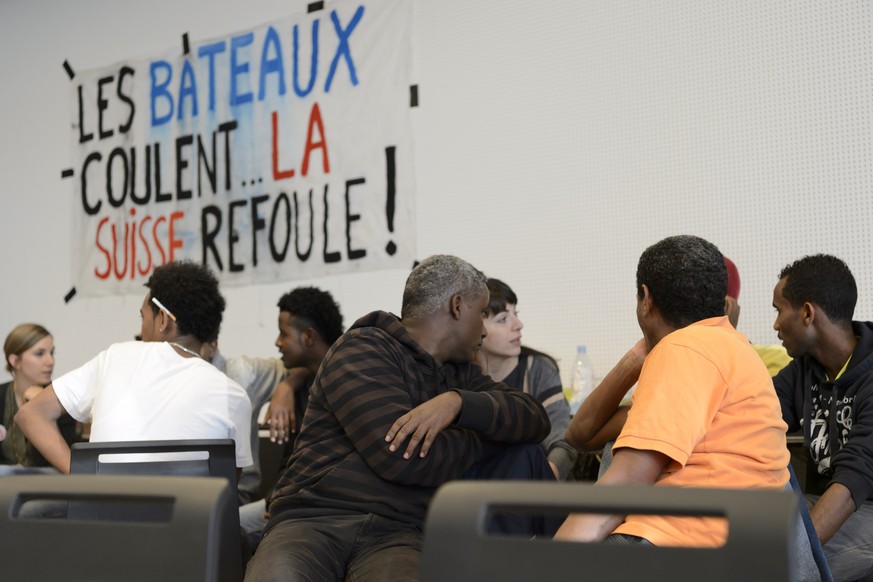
(607, 433)
(629, 467)
(45, 436)
(598, 411)
(832, 509)
(38, 420)
(588, 527)
(506, 416)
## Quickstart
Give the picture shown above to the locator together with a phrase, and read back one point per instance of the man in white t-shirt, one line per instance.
(156, 389)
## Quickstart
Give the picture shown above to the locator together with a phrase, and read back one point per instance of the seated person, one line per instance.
(827, 392)
(396, 410)
(259, 378)
(155, 389)
(601, 417)
(30, 358)
(505, 359)
(309, 322)
(704, 412)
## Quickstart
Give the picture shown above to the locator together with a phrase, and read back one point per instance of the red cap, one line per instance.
(733, 289)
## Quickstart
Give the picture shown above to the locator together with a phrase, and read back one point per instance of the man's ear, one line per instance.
(309, 336)
(455, 306)
(807, 313)
(646, 302)
(163, 320)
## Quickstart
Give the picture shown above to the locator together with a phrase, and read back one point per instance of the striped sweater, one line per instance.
(371, 376)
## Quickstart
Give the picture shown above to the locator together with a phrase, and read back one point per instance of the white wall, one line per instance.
(554, 142)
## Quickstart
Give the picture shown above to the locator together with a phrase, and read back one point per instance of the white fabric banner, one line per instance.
(275, 153)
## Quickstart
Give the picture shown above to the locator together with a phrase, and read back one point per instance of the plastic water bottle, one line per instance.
(583, 379)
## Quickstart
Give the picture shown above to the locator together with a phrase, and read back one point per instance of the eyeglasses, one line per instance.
(164, 309)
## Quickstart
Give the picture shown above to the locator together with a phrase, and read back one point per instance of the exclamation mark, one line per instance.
(391, 182)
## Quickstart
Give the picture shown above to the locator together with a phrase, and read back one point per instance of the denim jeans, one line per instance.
(356, 548)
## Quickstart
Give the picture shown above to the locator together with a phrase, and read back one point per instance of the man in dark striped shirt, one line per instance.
(397, 409)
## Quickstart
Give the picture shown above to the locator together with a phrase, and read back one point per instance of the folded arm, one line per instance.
(600, 418)
(373, 399)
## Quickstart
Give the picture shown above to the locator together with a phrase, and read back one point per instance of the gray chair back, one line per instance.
(457, 546)
(220, 458)
(219, 461)
(183, 546)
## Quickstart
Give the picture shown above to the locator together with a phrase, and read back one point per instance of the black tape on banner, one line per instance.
(314, 7)
(413, 95)
(186, 47)
(68, 173)
(69, 70)
(70, 294)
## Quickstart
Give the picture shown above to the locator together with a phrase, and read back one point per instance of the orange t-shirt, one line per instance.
(706, 400)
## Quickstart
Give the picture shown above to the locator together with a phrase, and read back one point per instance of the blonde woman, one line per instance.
(30, 360)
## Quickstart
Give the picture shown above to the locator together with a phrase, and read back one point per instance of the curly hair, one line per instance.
(21, 339)
(825, 281)
(312, 307)
(190, 292)
(687, 278)
(435, 280)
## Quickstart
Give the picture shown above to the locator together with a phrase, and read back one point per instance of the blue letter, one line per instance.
(313, 63)
(343, 48)
(187, 88)
(210, 50)
(237, 68)
(160, 90)
(272, 65)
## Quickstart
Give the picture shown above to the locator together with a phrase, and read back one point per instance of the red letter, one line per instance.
(132, 244)
(120, 275)
(146, 245)
(174, 242)
(103, 250)
(158, 240)
(315, 120)
(278, 174)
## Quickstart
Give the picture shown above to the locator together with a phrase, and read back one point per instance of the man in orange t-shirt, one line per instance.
(704, 411)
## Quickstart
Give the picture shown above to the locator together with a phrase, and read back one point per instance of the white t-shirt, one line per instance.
(136, 391)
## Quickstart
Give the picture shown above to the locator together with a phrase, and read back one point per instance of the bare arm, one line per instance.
(629, 467)
(280, 414)
(600, 418)
(38, 419)
(830, 511)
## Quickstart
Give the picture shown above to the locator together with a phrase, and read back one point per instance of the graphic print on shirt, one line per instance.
(819, 432)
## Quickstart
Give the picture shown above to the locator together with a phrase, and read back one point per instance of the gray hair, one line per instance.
(438, 277)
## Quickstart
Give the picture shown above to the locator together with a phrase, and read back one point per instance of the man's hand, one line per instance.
(423, 423)
(280, 414)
